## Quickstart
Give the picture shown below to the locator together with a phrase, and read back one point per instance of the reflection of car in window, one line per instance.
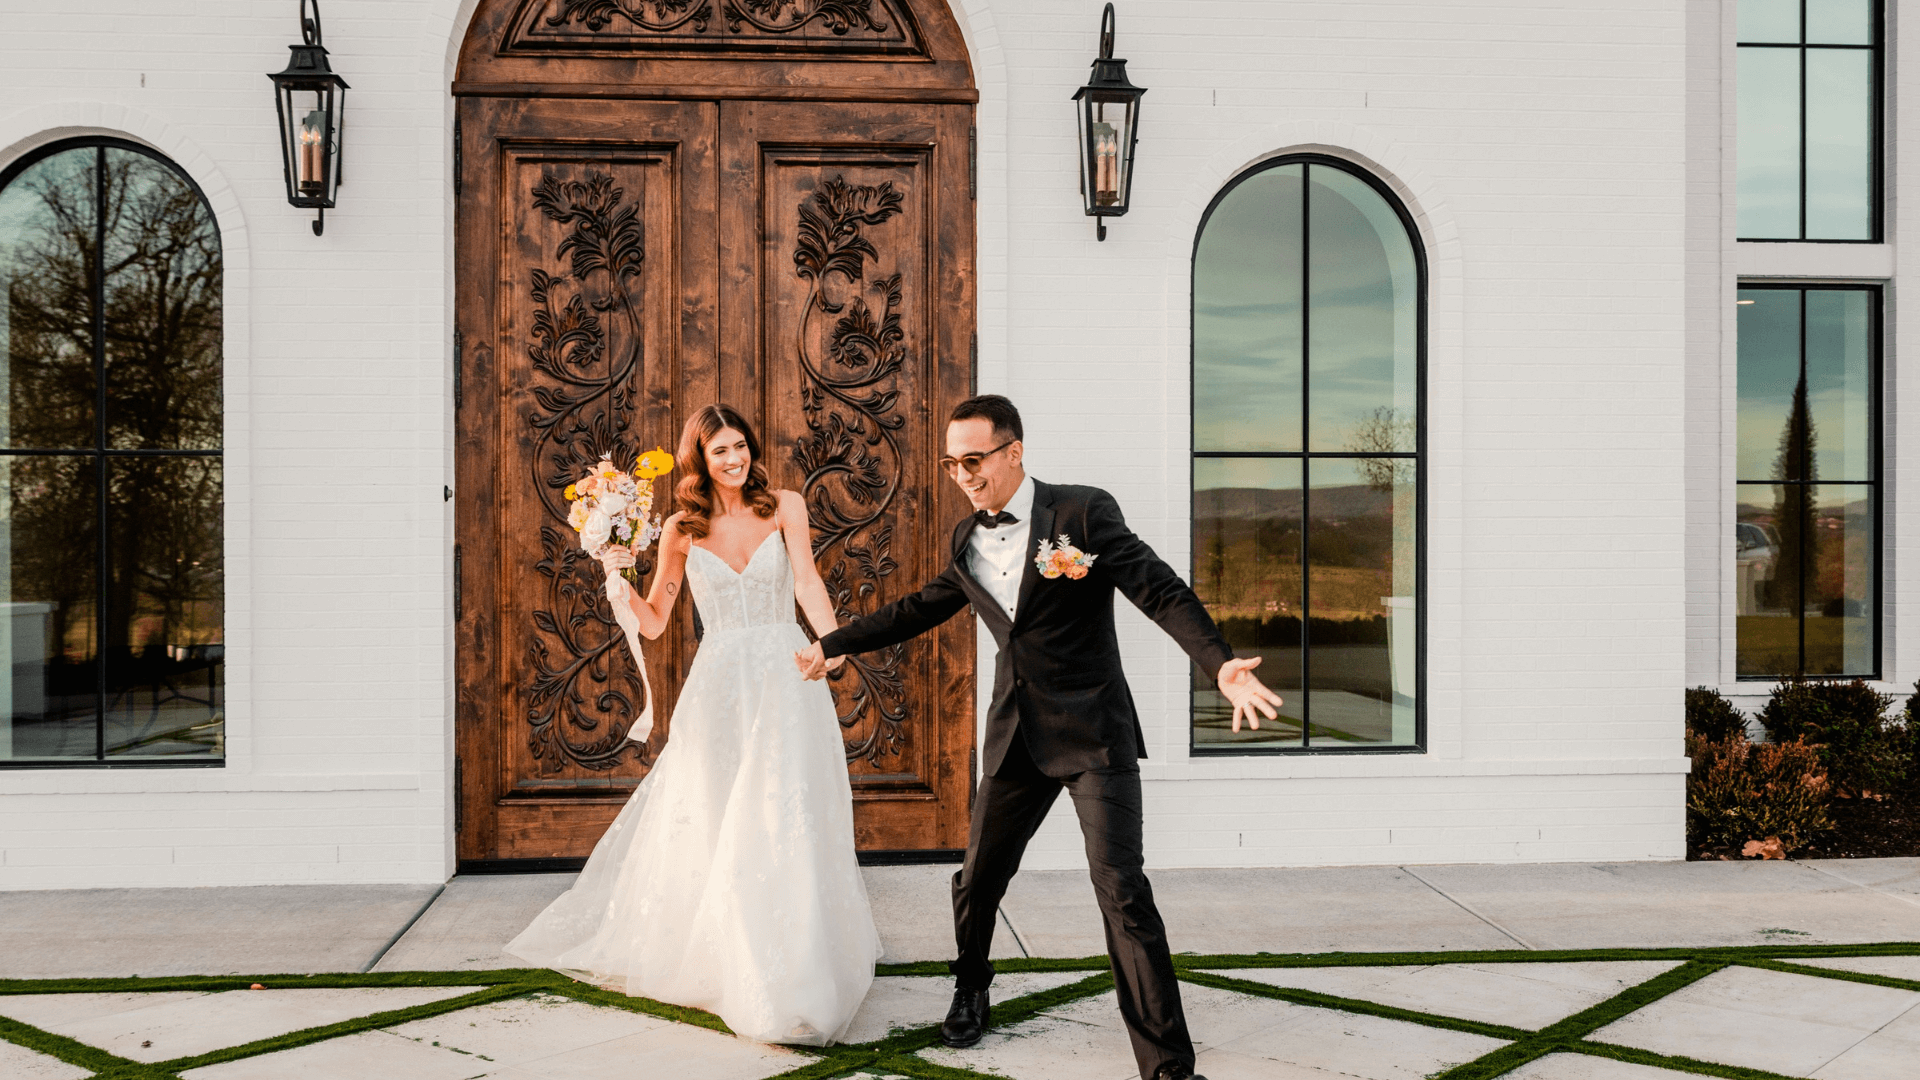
(1755, 551)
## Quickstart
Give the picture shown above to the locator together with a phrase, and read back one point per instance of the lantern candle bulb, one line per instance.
(312, 173)
(1106, 164)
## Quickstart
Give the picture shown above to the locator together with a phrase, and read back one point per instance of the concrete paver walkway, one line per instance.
(1807, 1002)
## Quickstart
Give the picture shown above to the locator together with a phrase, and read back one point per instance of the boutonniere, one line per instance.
(1063, 560)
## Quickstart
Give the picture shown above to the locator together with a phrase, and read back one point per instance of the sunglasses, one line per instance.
(971, 463)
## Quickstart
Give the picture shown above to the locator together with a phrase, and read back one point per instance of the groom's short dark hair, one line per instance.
(994, 409)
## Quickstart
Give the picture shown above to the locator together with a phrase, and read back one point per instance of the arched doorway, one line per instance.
(666, 203)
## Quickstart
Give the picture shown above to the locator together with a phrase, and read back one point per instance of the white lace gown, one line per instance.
(729, 882)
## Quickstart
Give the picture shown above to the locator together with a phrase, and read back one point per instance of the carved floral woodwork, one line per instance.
(834, 26)
(585, 352)
(850, 454)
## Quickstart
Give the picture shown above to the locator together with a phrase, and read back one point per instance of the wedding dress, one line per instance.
(729, 882)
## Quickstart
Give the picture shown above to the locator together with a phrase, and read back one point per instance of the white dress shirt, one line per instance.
(999, 554)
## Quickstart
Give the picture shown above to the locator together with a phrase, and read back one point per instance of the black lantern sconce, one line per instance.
(312, 102)
(1109, 114)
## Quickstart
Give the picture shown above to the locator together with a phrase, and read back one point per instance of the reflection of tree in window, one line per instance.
(1793, 503)
(112, 431)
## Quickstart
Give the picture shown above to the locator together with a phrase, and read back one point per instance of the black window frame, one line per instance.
(1305, 456)
(1876, 335)
(102, 453)
(1877, 148)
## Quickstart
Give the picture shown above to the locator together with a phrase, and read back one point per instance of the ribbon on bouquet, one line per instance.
(619, 594)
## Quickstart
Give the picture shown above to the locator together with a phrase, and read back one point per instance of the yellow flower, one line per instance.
(571, 493)
(655, 462)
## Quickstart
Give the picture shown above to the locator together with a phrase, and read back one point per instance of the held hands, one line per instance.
(1247, 693)
(813, 663)
(615, 558)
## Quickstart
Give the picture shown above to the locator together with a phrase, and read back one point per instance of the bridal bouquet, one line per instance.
(610, 506)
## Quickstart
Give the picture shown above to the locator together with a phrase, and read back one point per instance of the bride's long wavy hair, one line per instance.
(695, 490)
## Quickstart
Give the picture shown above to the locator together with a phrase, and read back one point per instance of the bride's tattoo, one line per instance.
(672, 586)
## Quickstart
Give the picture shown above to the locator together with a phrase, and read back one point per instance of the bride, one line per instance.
(728, 882)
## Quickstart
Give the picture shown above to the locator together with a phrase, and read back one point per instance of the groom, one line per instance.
(1062, 716)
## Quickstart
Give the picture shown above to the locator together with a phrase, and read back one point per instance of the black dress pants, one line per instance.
(1006, 814)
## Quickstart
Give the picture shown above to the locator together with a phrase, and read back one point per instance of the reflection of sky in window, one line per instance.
(1769, 147)
(1361, 318)
(1839, 144)
(1248, 325)
(1246, 340)
(1839, 379)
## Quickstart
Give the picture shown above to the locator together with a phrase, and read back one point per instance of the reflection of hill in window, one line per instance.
(1251, 576)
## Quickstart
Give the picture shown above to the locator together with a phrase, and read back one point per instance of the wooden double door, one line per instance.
(622, 263)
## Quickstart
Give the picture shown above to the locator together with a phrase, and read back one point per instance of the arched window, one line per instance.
(1308, 357)
(111, 570)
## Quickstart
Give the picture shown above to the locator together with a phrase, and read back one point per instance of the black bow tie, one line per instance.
(993, 521)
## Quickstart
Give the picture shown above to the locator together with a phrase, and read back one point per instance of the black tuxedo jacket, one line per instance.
(1058, 676)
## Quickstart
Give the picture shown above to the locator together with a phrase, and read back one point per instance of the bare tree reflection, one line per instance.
(105, 237)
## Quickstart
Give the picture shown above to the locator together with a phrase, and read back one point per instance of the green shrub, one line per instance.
(1861, 751)
(1713, 717)
(1739, 791)
(1911, 714)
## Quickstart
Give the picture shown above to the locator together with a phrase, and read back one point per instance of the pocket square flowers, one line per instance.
(1063, 560)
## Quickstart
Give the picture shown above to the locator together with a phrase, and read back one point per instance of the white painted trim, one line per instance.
(175, 781)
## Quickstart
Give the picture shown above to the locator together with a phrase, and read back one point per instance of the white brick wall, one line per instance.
(1543, 147)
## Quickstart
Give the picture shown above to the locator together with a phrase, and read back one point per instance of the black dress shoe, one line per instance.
(1177, 1072)
(967, 1018)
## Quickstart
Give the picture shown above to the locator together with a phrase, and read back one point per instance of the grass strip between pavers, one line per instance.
(373, 1022)
(898, 1052)
(1635, 1055)
(921, 1069)
(679, 1014)
(1831, 973)
(1570, 1030)
(71, 1051)
(1318, 1000)
(1001, 967)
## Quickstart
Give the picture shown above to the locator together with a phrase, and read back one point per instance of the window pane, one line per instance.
(1360, 601)
(49, 525)
(1766, 579)
(1246, 569)
(1769, 20)
(1246, 317)
(1839, 22)
(47, 259)
(165, 641)
(1362, 319)
(1839, 383)
(1769, 136)
(1839, 144)
(1769, 370)
(163, 309)
(1839, 590)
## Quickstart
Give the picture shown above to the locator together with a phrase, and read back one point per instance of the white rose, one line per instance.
(594, 535)
(612, 504)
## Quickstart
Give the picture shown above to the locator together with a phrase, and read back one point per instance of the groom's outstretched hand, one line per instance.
(1247, 693)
